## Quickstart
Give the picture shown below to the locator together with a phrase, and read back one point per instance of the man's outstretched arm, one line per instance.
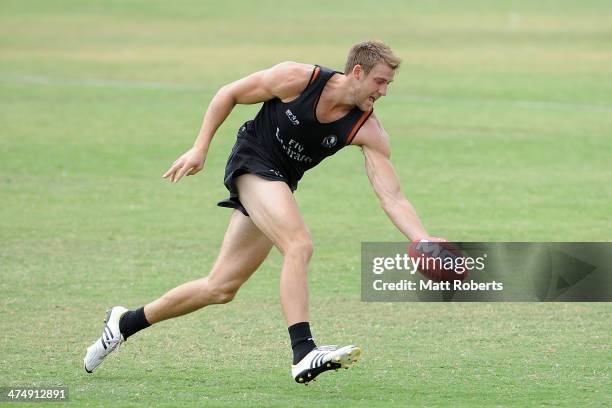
(281, 81)
(375, 145)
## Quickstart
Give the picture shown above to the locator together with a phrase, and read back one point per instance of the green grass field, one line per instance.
(501, 127)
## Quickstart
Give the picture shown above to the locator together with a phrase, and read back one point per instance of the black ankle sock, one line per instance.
(132, 322)
(302, 342)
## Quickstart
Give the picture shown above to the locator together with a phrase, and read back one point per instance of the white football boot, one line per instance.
(324, 358)
(107, 343)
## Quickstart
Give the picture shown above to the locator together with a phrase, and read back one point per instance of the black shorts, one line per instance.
(247, 156)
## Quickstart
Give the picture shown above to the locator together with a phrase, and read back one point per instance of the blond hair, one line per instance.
(368, 54)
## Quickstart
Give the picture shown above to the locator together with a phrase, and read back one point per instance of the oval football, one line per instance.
(434, 256)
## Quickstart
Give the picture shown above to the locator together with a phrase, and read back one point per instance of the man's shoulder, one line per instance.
(293, 70)
(289, 78)
(372, 135)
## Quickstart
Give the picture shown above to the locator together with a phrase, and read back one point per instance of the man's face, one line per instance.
(372, 86)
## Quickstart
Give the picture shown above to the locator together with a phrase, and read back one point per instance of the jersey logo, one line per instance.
(292, 118)
(277, 173)
(330, 141)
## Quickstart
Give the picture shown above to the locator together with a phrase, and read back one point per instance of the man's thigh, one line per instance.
(243, 250)
(273, 209)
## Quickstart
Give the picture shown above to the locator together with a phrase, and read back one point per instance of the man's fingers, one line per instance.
(182, 172)
(167, 173)
(194, 170)
(182, 167)
(172, 170)
(175, 175)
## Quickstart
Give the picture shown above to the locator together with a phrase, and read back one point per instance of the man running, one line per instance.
(308, 113)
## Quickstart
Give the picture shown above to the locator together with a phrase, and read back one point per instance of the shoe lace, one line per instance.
(114, 342)
(117, 342)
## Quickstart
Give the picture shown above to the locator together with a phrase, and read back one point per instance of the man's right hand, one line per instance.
(190, 163)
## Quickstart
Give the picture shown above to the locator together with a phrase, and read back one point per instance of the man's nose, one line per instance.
(383, 90)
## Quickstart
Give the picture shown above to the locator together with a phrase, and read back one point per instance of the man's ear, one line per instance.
(357, 71)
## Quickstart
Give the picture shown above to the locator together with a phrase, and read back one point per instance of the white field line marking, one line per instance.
(529, 104)
(101, 83)
(177, 86)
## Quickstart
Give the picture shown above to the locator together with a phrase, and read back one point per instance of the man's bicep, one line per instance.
(251, 89)
(281, 81)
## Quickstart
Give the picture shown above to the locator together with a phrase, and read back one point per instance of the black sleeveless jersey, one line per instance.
(290, 134)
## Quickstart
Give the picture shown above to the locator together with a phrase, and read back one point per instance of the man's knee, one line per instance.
(219, 293)
(300, 248)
